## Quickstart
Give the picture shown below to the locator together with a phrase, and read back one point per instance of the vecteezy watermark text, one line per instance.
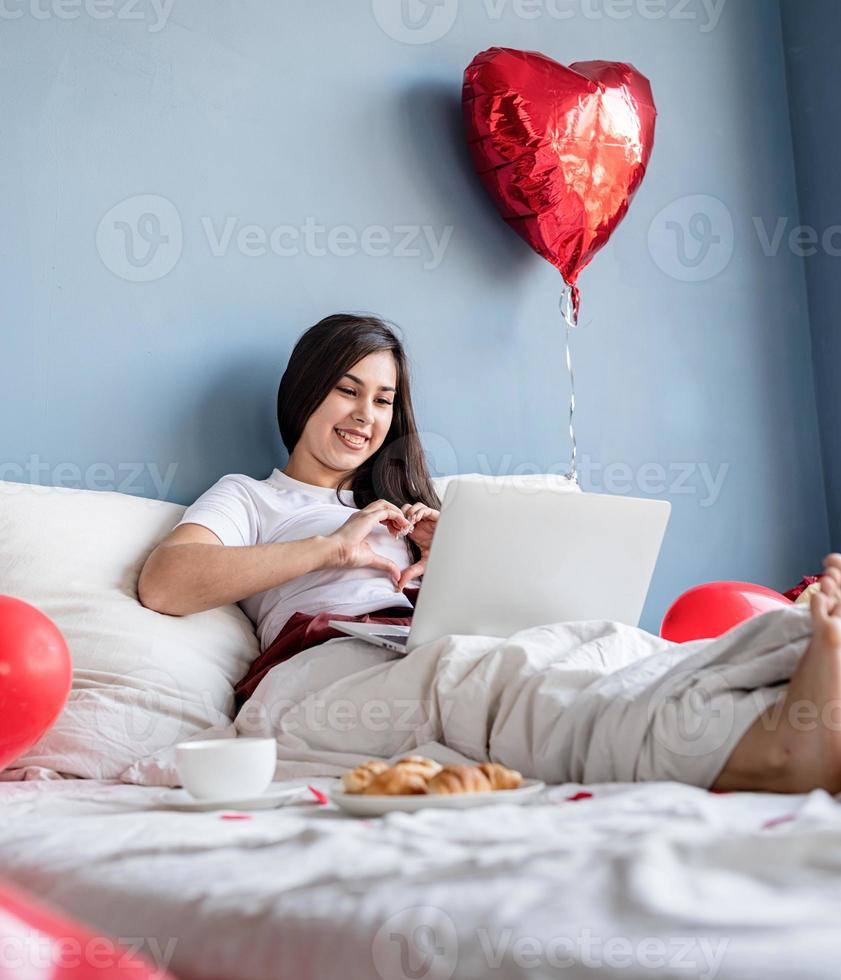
(26, 952)
(315, 714)
(141, 238)
(426, 21)
(693, 238)
(801, 240)
(704, 480)
(422, 943)
(156, 12)
(699, 956)
(317, 240)
(127, 477)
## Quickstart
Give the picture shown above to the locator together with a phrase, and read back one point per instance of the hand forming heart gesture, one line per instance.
(423, 520)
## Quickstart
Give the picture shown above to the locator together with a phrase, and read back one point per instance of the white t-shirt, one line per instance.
(243, 511)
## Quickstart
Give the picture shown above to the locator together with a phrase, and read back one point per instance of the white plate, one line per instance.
(374, 806)
(180, 799)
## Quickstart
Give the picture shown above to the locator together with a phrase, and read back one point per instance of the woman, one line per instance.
(340, 531)
(295, 557)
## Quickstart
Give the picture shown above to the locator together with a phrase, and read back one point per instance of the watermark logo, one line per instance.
(415, 21)
(691, 715)
(692, 239)
(419, 943)
(141, 238)
(426, 21)
(422, 943)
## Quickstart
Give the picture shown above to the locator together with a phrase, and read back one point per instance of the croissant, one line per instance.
(459, 779)
(355, 780)
(396, 781)
(500, 777)
(420, 765)
(414, 775)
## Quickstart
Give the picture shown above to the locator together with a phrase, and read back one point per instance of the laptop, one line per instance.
(508, 555)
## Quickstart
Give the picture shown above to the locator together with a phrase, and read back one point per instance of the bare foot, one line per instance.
(795, 746)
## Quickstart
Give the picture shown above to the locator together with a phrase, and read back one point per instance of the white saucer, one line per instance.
(180, 799)
(374, 806)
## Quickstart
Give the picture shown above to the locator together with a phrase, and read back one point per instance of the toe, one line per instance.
(833, 633)
(818, 607)
(831, 588)
(826, 626)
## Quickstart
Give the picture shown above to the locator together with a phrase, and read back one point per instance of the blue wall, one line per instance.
(693, 361)
(812, 33)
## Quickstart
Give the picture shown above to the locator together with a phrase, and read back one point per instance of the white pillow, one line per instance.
(141, 680)
(525, 481)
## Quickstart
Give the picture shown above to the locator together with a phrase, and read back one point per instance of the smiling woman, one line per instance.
(344, 409)
(341, 530)
(358, 409)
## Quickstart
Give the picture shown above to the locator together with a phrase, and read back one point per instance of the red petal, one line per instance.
(320, 797)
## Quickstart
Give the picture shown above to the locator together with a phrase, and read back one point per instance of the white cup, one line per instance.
(221, 768)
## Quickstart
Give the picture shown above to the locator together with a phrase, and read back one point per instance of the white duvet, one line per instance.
(569, 702)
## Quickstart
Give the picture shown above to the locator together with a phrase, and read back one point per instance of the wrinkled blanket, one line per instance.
(579, 702)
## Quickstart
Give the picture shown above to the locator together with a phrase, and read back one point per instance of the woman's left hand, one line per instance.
(425, 519)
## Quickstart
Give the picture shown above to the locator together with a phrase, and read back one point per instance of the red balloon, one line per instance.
(707, 611)
(561, 150)
(35, 676)
(39, 941)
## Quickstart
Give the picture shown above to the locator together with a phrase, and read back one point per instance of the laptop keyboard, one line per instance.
(394, 637)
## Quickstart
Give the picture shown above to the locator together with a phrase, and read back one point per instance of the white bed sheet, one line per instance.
(657, 879)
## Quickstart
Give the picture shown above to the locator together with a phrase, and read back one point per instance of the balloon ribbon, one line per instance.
(569, 311)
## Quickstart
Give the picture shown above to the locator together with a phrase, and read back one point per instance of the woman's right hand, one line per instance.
(350, 540)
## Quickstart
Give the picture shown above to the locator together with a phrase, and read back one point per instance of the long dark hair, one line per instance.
(397, 471)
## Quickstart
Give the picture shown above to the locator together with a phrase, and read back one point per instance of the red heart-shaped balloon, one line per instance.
(561, 150)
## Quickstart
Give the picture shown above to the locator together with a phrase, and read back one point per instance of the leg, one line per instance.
(795, 746)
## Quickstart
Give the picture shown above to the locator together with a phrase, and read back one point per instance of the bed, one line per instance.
(626, 880)
(613, 878)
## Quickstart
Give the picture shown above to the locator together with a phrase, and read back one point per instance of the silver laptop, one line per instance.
(508, 555)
